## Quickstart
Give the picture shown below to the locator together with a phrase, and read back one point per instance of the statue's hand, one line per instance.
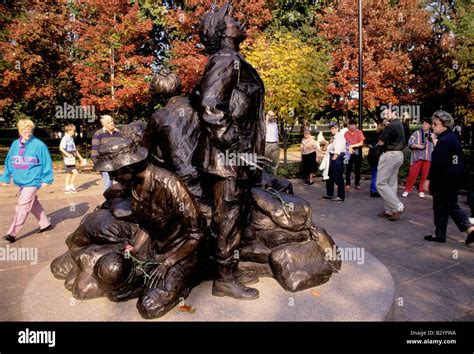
(158, 275)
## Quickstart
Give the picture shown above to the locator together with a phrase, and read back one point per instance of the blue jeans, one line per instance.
(373, 180)
(106, 179)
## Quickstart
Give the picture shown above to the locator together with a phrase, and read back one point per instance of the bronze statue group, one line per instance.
(182, 212)
(192, 202)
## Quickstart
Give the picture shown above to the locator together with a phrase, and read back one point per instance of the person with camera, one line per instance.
(421, 144)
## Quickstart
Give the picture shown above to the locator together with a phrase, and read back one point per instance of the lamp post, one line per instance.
(361, 92)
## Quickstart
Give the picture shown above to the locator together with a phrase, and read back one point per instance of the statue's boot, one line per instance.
(247, 278)
(227, 285)
(156, 302)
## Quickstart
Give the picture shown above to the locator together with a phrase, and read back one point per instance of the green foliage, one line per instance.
(290, 170)
(299, 18)
(459, 69)
(295, 75)
(152, 10)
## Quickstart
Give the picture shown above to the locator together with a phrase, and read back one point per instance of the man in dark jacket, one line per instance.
(445, 178)
(229, 100)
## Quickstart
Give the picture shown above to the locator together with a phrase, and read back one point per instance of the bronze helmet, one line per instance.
(119, 152)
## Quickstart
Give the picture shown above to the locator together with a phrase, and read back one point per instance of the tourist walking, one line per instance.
(336, 151)
(69, 151)
(393, 142)
(309, 153)
(445, 179)
(421, 145)
(373, 158)
(102, 136)
(355, 140)
(29, 163)
(272, 147)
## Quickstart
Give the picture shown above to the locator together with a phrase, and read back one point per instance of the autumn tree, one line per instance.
(295, 75)
(108, 66)
(36, 63)
(187, 57)
(390, 32)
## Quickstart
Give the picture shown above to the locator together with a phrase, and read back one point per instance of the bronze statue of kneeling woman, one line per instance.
(174, 231)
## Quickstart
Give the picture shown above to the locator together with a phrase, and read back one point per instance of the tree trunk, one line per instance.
(286, 137)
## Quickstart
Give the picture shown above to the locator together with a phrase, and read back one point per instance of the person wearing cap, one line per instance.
(272, 148)
(229, 101)
(164, 207)
(421, 146)
(445, 179)
(100, 137)
(336, 151)
(309, 152)
(392, 141)
(29, 163)
(355, 140)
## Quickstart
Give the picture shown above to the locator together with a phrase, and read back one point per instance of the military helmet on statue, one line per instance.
(113, 270)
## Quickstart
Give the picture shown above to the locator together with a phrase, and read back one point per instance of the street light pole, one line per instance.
(361, 77)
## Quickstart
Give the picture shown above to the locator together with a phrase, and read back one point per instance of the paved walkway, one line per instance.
(433, 281)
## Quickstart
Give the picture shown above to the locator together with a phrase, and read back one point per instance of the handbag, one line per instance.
(70, 161)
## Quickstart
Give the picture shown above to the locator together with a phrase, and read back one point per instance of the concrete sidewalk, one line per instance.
(433, 281)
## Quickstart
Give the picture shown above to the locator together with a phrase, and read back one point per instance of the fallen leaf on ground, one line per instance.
(187, 308)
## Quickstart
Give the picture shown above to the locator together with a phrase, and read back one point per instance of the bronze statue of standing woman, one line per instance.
(229, 100)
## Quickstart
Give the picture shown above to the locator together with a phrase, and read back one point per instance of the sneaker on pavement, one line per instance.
(72, 189)
(405, 194)
(337, 199)
(421, 194)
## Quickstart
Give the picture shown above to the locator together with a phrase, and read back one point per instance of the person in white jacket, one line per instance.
(335, 170)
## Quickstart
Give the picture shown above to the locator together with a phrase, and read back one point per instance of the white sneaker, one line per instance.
(421, 194)
(72, 189)
(405, 194)
(66, 189)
